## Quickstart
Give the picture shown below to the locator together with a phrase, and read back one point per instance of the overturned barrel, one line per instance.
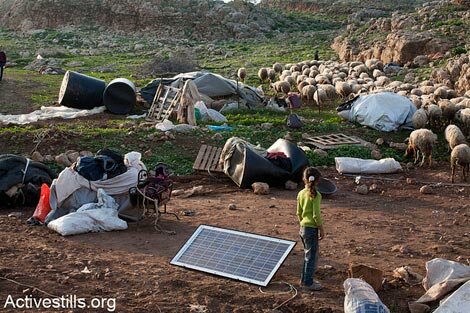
(81, 91)
(119, 96)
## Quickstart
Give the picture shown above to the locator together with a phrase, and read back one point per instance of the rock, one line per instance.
(72, 156)
(85, 153)
(376, 154)
(177, 192)
(232, 206)
(421, 60)
(374, 188)
(411, 181)
(260, 188)
(62, 159)
(288, 136)
(170, 135)
(400, 248)
(373, 276)
(398, 146)
(426, 190)
(148, 153)
(267, 126)
(48, 158)
(15, 214)
(320, 152)
(151, 137)
(416, 307)
(217, 136)
(36, 156)
(379, 141)
(442, 248)
(362, 189)
(290, 185)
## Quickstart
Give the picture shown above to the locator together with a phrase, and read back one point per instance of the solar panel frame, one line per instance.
(261, 277)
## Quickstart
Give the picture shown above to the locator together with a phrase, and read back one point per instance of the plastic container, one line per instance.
(119, 97)
(81, 91)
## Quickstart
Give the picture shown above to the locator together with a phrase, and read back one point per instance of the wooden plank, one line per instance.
(206, 158)
(215, 163)
(200, 155)
(162, 105)
(211, 158)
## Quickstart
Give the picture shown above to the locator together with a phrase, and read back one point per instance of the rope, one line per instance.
(291, 289)
(29, 286)
(25, 170)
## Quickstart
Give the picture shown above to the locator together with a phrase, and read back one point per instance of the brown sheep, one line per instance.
(241, 74)
(263, 74)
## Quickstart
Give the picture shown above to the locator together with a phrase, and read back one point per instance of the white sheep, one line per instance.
(454, 136)
(420, 119)
(320, 98)
(421, 141)
(271, 75)
(448, 110)
(343, 89)
(241, 74)
(308, 93)
(277, 67)
(463, 116)
(434, 114)
(263, 74)
(281, 87)
(460, 155)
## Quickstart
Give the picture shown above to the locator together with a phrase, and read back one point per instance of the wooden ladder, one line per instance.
(164, 103)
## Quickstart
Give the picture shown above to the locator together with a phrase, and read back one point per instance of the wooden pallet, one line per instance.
(208, 159)
(164, 103)
(332, 141)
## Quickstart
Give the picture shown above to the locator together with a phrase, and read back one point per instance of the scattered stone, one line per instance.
(398, 146)
(72, 156)
(232, 206)
(15, 214)
(85, 153)
(400, 248)
(416, 307)
(362, 189)
(373, 276)
(177, 192)
(217, 136)
(376, 154)
(407, 274)
(260, 188)
(36, 156)
(411, 181)
(442, 248)
(289, 136)
(426, 190)
(267, 126)
(48, 158)
(148, 153)
(379, 141)
(373, 187)
(151, 137)
(170, 135)
(320, 152)
(62, 159)
(290, 185)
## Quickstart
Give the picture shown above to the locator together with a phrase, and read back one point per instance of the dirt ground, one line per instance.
(132, 266)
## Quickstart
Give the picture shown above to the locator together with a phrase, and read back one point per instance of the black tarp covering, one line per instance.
(247, 167)
(12, 173)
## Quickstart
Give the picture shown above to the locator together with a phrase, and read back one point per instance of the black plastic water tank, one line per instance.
(119, 96)
(81, 91)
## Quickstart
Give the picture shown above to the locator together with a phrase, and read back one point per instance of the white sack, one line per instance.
(345, 165)
(164, 126)
(47, 113)
(442, 276)
(216, 116)
(91, 217)
(361, 298)
(458, 302)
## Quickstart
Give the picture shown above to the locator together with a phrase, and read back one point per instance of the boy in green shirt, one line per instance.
(311, 226)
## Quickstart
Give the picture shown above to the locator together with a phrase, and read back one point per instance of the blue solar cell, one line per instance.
(238, 255)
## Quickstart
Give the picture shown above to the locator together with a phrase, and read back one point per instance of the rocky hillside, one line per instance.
(434, 30)
(201, 19)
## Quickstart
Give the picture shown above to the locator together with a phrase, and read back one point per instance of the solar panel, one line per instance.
(238, 255)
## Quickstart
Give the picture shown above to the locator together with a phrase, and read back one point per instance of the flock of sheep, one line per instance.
(322, 82)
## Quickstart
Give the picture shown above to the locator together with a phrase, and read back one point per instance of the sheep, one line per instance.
(263, 74)
(301, 78)
(421, 141)
(454, 136)
(271, 75)
(311, 81)
(420, 119)
(448, 110)
(290, 80)
(434, 114)
(277, 67)
(301, 85)
(460, 155)
(308, 93)
(281, 87)
(343, 89)
(463, 116)
(241, 74)
(320, 97)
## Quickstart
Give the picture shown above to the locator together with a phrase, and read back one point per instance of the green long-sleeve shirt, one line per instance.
(308, 209)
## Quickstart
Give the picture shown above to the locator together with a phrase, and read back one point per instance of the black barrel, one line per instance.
(119, 96)
(81, 91)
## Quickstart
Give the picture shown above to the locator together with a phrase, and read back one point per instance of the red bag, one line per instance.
(43, 208)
